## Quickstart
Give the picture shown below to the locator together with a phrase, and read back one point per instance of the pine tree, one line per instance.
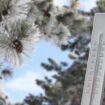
(69, 79)
(24, 22)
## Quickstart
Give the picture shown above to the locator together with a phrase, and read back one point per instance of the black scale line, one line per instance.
(96, 67)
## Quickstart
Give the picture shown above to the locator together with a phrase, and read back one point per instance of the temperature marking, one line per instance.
(95, 73)
(96, 68)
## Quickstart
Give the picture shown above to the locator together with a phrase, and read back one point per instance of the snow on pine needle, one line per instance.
(17, 40)
(11, 10)
(52, 30)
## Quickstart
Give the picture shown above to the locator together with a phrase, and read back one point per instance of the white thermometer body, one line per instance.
(95, 73)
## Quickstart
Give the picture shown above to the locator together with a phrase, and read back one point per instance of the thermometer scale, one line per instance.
(95, 74)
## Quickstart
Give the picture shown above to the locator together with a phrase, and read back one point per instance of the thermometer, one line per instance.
(95, 73)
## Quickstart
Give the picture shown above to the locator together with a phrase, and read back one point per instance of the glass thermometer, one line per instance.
(95, 74)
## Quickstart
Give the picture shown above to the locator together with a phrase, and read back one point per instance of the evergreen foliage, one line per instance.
(24, 22)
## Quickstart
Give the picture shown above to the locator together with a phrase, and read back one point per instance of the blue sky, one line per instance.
(23, 81)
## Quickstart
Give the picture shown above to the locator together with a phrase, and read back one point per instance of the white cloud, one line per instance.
(62, 2)
(84, 4)
(25, 83)
(87, 4)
